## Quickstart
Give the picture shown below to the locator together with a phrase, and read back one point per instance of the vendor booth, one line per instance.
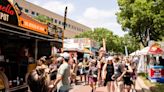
(22, 41)
(74, 50)
(155, 68)
(152, 62)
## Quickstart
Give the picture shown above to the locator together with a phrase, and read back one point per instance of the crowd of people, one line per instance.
(116, 72)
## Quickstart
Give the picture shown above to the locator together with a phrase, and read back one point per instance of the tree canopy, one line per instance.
(142, 18)
(113, 42)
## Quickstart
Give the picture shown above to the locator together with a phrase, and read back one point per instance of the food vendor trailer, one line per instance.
(22, 41)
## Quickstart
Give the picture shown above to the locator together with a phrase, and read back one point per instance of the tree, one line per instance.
(142, 19)
(113, 42)
(131, 43)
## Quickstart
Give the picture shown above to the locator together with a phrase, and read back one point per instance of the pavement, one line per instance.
(140, 87)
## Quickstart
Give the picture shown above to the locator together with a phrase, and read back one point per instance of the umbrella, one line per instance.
(155, 49)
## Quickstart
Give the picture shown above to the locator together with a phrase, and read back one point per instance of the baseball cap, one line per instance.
(65, 55)
(109, 58)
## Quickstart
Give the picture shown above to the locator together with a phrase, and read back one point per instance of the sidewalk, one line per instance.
(140, 87)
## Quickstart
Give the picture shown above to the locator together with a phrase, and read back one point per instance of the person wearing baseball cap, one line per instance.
(62, 81)
(108, 72)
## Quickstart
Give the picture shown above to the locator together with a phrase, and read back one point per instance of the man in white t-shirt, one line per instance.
(63, 74)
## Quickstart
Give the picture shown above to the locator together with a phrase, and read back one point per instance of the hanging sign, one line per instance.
(29, 23)
(8, 13)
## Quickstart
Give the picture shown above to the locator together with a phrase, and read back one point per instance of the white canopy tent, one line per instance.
(144, 51)
(137, 52)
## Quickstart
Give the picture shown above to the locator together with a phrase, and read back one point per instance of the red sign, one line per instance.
(155, 49)
(7, 9)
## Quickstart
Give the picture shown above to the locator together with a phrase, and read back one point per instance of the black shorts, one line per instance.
(127, 81)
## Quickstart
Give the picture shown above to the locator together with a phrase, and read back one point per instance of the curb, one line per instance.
(143, 86)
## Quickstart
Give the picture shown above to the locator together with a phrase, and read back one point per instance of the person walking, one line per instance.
(85, 67)
(108, 71)
(127, 76)
(118, 74)
(73, 71)
(63, 74)
(92, 75)
(101, 62)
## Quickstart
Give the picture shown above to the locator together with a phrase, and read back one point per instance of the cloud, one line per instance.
(54, 5)
(94, 17)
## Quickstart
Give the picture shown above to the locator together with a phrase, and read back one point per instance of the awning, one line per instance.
(155, 49)
(4, 27)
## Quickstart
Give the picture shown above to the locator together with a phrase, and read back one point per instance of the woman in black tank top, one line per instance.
(127, 76)
(108, 71)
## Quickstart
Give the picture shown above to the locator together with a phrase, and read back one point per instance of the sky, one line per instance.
(93, 13)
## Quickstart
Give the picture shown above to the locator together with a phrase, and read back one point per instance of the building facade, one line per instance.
(72, 27)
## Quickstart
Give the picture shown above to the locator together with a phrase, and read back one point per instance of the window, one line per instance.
(59, 22)
(55, 20)
(37, 14)
(33, 13)
(20, 8)
(26, 10)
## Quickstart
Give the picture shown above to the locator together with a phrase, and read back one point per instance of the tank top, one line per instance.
(110, 69)
(127, 75)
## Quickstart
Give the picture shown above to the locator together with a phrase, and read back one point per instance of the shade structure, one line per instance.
(144, 51)
(154, 49)
(135, 53)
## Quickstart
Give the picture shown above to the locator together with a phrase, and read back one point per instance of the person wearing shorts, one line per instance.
(92, 75)
(108, 71)
(127, 76)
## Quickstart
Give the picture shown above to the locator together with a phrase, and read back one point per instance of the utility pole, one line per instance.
(64, 26)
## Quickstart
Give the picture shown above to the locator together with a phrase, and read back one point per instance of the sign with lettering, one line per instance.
(27, 22)
(55, 31)
(8, 13)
